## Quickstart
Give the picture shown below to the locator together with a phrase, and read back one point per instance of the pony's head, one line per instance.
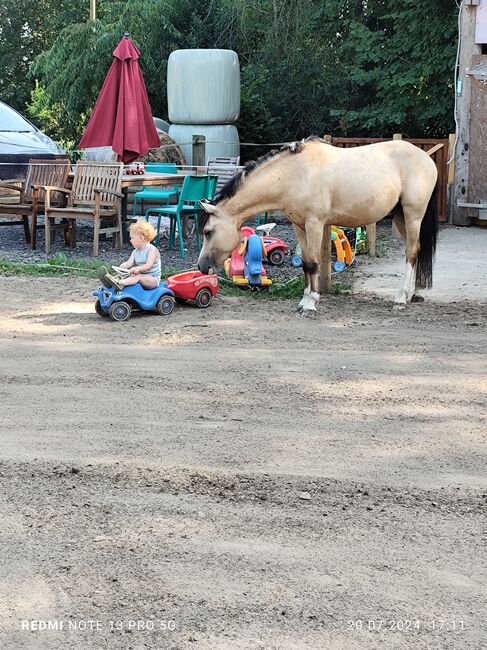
(221, 237)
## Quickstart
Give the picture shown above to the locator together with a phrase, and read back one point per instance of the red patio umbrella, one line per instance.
(122, 117)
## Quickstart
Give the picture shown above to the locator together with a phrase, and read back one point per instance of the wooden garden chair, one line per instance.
(96, 195)
(26, 198)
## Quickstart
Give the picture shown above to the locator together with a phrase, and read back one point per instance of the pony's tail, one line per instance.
(428, 236)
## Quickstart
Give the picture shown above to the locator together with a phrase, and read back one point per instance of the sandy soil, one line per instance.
(247, 477)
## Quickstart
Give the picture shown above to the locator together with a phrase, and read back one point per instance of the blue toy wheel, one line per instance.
(120, 311)
(339, 266)
(165, 305)
(296, 261)
(99, 309)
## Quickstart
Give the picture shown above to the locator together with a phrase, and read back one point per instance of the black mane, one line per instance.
(230, 188)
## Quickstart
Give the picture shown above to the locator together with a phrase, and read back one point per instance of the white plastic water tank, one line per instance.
(222, 139)
(203, 87)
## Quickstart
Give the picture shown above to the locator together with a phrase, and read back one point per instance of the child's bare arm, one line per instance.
(129, 263)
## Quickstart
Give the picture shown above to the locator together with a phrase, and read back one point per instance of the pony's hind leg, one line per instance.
(409, 227)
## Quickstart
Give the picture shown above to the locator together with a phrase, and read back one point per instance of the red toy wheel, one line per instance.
(276, 257)
(203, 298)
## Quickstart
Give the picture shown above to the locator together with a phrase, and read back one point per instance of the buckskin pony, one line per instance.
(316, 184)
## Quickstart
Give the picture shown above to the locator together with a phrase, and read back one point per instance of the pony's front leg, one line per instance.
(314, 239)
(301, 235)
(307, 290)
(311, 295)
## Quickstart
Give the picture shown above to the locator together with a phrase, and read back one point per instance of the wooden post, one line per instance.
(397, 136)
(372, 238)
(451, 158)
(92, 9)
(328, 139)
(468, 49)
(198, 156)
(198, 153)
(325, 263)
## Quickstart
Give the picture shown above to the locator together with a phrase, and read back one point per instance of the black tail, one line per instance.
(427, 241)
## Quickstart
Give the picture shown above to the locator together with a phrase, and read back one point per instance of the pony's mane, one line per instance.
(230, 188)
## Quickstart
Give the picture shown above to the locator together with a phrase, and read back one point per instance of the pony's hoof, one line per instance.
(309, 313)
(299, 309)
(417, 298)
(399, 306)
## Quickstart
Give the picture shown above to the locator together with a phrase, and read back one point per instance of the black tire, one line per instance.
(99, 309)
(203, 298)
(276, 257)
(120, 311)
(165, 305)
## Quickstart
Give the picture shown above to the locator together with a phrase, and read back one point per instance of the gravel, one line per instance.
(13, 248)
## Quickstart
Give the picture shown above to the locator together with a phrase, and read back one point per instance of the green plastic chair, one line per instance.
(156, 194)
(211, 187)
(195, 189)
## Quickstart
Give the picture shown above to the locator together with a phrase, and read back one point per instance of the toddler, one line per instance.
(143, 266)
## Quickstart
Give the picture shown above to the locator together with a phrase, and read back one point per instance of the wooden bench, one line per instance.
(96, 195)
(26, 198)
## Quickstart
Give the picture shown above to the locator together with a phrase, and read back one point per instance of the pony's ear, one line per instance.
(208, 207)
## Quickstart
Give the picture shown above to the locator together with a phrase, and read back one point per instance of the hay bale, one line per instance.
(167, 152)
(99, 154)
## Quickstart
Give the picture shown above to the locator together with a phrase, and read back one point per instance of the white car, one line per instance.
(20, 140)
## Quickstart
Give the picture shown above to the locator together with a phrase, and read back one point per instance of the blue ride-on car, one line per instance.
(120, 304)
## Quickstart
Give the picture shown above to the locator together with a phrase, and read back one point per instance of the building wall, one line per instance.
(481, 23)
(477, 179)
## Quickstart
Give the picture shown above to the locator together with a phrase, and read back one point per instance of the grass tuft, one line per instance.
(61, 266)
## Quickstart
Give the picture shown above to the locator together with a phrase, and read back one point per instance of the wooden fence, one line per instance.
(439, 151)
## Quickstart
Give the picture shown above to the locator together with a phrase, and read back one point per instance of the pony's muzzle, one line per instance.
(205, 265)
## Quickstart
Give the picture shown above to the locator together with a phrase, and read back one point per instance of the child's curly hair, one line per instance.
(143, 228)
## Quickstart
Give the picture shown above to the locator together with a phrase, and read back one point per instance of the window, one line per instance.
(10, 120)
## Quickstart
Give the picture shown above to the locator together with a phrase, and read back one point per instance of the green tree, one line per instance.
(27, 28)
(398, 63)
(347, 67)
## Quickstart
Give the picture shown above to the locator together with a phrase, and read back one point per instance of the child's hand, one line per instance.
(123, 265)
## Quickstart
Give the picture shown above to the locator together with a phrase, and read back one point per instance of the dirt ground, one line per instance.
(240, 477)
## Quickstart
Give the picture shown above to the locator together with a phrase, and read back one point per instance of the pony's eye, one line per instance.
(208, 233)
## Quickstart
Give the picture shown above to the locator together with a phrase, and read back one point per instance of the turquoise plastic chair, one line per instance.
(211, 187)
(195, 189)
(154, 193)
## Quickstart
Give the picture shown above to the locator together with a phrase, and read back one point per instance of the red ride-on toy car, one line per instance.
(275, 248)
(194, 286)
